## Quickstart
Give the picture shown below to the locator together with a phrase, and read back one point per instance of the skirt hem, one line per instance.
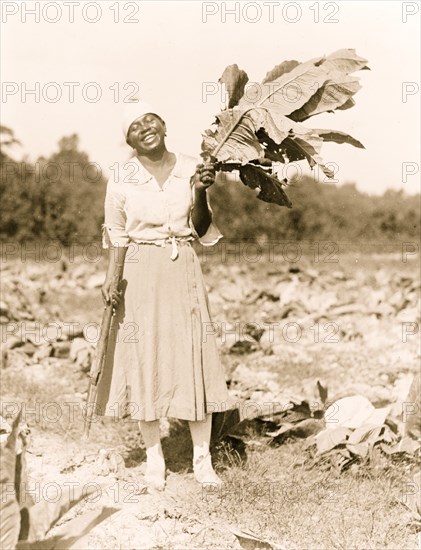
(165, 412)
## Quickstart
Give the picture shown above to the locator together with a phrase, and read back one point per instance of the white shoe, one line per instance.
(204, 472)
(155, 473)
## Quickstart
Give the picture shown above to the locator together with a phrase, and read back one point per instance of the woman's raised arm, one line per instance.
(201, 216)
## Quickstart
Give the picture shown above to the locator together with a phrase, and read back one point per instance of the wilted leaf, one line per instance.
(345, 60)
(288, 92)
(306, 147)
(9, 507)
(337, 91)
(348, 412)
(279, 70)
(329, 439)
(270, 187)
(43, 515)
(334, 94)
(347, 105)
(285, 139)
(338, 137)
(277, 127)
(234, 138)
(250, 541)
(405, 445)
(293, 89)
(303, 428)
(360, 449)
(235, 81)
(378, 416)
(70, 533)
(249, 134)
(265, 126)
(293, 412)
(367, 433)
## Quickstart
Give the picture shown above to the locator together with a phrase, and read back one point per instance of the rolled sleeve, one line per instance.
(114, 231)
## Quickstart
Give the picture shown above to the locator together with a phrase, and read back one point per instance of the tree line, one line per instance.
(61, 198)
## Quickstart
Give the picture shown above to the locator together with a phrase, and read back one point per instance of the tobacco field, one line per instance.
(298, 329)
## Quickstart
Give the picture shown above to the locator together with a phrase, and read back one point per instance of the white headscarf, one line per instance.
(133, 110)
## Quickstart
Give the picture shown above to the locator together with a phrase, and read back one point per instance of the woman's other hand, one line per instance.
(205, 175)
(115, 298)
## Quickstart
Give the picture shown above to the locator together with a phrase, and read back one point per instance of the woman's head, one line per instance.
(143, 128)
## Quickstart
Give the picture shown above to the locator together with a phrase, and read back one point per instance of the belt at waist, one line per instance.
(173, 241)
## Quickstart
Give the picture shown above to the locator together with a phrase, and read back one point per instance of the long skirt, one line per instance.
(162, 358)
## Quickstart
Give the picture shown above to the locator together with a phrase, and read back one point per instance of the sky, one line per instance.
(87, 58)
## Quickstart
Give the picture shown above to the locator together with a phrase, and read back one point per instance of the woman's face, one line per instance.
(146, 133)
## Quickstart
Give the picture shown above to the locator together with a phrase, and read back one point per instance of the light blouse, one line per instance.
(138, 210)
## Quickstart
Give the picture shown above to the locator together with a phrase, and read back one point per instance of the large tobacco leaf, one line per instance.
(289, 91)
(234, 80)
(264, 120)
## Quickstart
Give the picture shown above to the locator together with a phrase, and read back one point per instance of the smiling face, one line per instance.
(147, 133)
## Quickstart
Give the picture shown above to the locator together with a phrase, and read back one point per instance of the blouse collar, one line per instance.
(143, 175)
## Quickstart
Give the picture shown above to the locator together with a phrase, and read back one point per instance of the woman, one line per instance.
(161, 361)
